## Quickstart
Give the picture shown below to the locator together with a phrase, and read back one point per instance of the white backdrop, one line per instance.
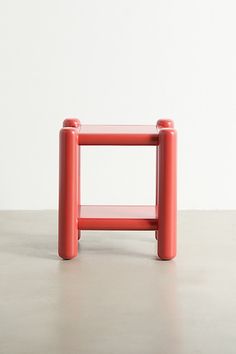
(124, 61)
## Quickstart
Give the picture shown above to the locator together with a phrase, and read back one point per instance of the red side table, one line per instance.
(74, 217)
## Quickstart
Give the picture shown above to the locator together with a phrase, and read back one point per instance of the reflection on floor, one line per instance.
(117, 297)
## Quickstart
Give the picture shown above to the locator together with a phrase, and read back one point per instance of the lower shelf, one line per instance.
(122, 217)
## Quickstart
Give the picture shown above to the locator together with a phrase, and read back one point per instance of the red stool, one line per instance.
(74, 217)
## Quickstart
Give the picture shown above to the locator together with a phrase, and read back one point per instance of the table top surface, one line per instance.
(118, 129)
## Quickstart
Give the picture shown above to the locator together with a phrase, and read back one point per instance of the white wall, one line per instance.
(123, 61)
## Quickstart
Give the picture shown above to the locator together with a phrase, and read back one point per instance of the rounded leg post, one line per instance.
(161, 123)
(167, 194)
(68, 193)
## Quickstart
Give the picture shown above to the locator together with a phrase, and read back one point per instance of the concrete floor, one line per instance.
(116, 297)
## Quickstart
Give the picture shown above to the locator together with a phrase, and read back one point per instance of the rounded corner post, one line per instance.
(68, 192)
(165, 123)
(71, 123)
(167, 193)
(161, 123)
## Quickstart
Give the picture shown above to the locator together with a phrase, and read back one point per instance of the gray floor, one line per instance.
(116, 297)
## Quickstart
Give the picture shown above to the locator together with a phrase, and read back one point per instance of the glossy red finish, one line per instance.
(68, 193)
(118, 135)
(112, 217)
(71, 123)
(161, 123)
(75, 123)
(165, 123)
(74, 217)
(167, 194)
